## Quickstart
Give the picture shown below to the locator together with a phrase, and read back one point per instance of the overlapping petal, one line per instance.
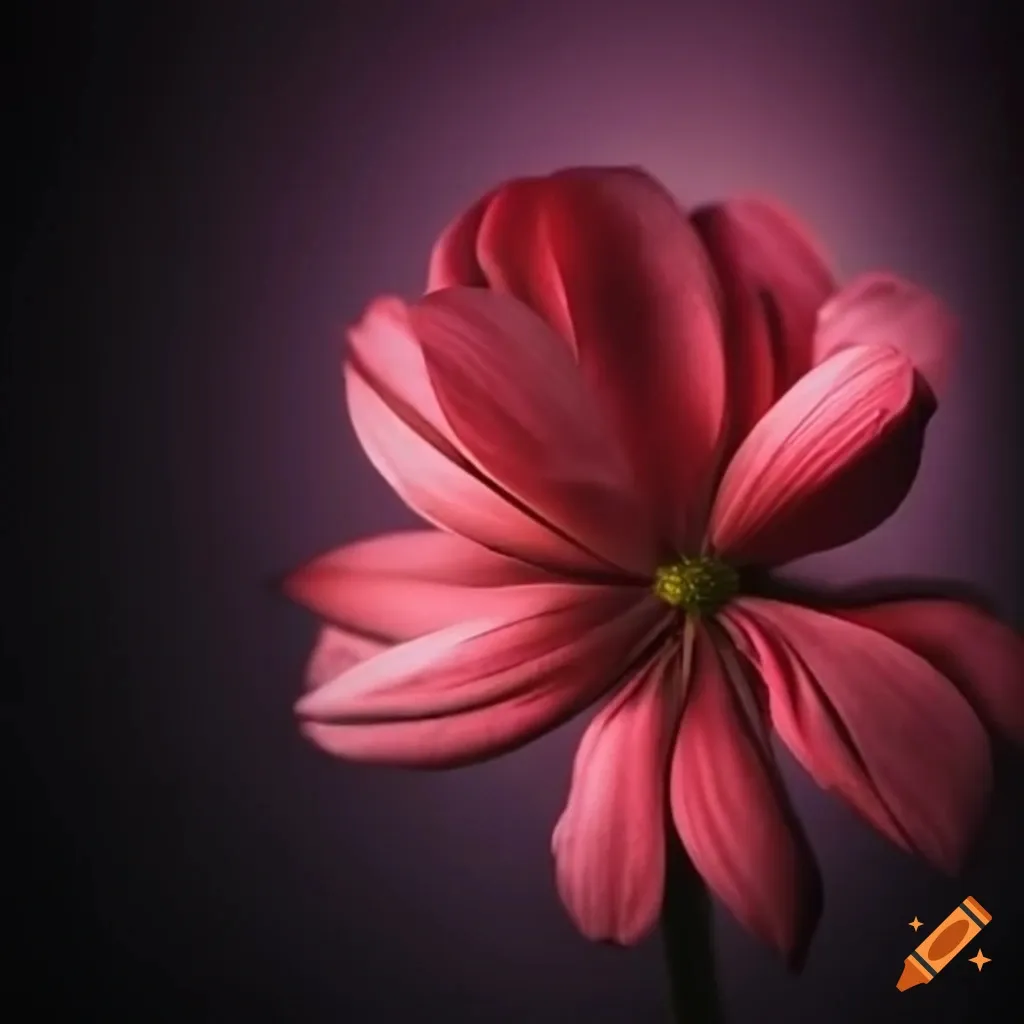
(398, 586)
(774, 280)
(872, 720)
(480, 686)
(437, 398)
(609, 844)
(517, 403)
(613, 264)
(833, 458)
(982, 657)
(882, 309)
(731, 809)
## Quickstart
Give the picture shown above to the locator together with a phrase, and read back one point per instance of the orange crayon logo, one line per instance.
(943, 944)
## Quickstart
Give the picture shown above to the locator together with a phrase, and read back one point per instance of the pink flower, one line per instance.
(615, 413)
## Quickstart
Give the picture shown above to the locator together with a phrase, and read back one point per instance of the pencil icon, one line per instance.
(943, 944)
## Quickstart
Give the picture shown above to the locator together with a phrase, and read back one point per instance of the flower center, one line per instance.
(700, 586)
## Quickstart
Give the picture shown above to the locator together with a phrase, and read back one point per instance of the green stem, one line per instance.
(686, 926)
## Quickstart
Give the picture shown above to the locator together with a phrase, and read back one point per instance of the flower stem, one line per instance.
(686, 927)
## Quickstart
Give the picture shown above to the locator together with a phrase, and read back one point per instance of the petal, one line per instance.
(409, 438)
(981, 656)
(750, 360)
(881, 309)
(538, 636)
(609, 844)
(831, 460)
(453, 260)
(775, 279)
(518, 406)
(402, 585)
(872, 720)
(336, 651)
(439, 484)
(732, 811)
(613, 264)
(476, 699)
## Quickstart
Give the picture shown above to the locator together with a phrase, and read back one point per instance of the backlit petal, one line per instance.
(831, 460)
(612, 263)
(517, 403)
(881, 309)
(774, 280)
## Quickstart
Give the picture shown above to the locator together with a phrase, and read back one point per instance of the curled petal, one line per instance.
(575, 499)
(612, 263)
(732, 811)
(516, 402)
(453, 260)
(983, 658)
(774, 280)
(831, 460)
(609, 844)
(435, 481)
(872, 720)
(881, 309)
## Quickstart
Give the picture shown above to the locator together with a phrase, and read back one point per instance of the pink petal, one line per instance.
(402, 585)
(539, 632)
(574, 496)
(336, 651)
(831, 460)
(453, 259)
(438, 702)
(775, 279)
(872, 720)
(612, 263)
(442, 486)
(517, 403)
(609, 844)
(732, 811)
(881, 309)
(976, 652)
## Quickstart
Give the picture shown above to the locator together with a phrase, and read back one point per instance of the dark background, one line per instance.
(203, 196)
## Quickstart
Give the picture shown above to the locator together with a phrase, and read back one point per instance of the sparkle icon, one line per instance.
(915, 924)
(949, 939)
(980, 960)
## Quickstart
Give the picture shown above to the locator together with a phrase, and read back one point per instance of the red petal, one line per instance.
(872, 720)
(539, 632)
(436, 482)
(981, 656)
(410, 440)
(402, 585)
(732, 811)
(609, 259)
(774, 281)
(466, 695)
(609, 844)
(830, 461)
(453, 259)
(517, 404)
(880, 309)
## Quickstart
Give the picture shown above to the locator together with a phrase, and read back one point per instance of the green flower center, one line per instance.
(700, 586)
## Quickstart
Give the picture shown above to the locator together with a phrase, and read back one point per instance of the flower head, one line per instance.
(611, 411)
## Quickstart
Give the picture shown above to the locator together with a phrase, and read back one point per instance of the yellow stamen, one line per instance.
(700, 586)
